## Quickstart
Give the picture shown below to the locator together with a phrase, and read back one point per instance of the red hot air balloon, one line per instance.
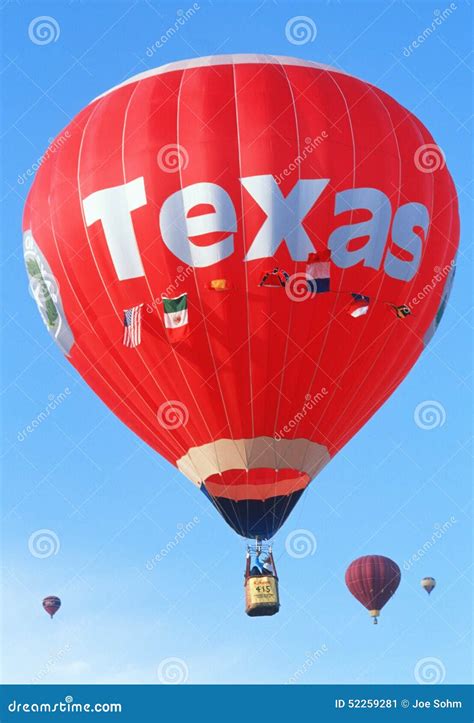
(51, 604)
(195, 240)
(373, 579)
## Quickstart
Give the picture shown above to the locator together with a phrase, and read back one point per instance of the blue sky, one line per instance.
(110, 504)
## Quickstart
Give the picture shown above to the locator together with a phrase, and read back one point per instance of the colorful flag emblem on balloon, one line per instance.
(318, 270)
(132, 326)
(359, 305)
(400, 311)
(219, 285)
(276, 278)
(176, 317)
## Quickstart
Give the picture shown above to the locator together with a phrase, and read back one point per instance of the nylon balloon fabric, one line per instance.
(51, 604)
(373, 579)
(243, 256)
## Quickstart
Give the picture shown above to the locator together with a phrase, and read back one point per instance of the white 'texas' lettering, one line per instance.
(284, 216)
(113, 207)
(177, 228)
(283, 224)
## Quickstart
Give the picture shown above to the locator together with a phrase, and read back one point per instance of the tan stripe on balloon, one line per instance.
(201, 462)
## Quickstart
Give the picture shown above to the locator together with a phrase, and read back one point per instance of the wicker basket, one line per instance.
(261, 595)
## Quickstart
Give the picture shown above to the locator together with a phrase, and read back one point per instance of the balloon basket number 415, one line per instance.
(261, 595)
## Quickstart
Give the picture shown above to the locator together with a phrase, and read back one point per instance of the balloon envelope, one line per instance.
(211, 182)
(429, 584)
(373, 579)
(51, 604)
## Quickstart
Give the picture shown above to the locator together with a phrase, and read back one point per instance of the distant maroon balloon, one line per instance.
(51, 604)
(372, 580)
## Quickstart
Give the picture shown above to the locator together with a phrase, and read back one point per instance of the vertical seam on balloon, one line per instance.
(92, 365)
(375, 393)
(387, 373)
(328, 328)
(96, 263)
(199, 296)
(244, 240)
(173, 351)
(381, 273)
(194, 276)
(292, 306)
(82, 213)
(153, 412)
(247, 308)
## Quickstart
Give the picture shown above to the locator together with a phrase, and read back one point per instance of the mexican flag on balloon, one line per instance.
(176, 317)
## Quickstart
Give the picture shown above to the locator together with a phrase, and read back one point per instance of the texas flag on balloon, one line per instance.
(176, 317)
(359, 305)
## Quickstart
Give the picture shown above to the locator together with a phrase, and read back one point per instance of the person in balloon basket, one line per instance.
(262, 568)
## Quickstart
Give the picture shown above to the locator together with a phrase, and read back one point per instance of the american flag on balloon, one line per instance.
(132, 326)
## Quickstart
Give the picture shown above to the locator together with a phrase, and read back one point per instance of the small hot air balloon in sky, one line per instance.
(51, 604)
(429, 584)
(373, 579)
(150, 226)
